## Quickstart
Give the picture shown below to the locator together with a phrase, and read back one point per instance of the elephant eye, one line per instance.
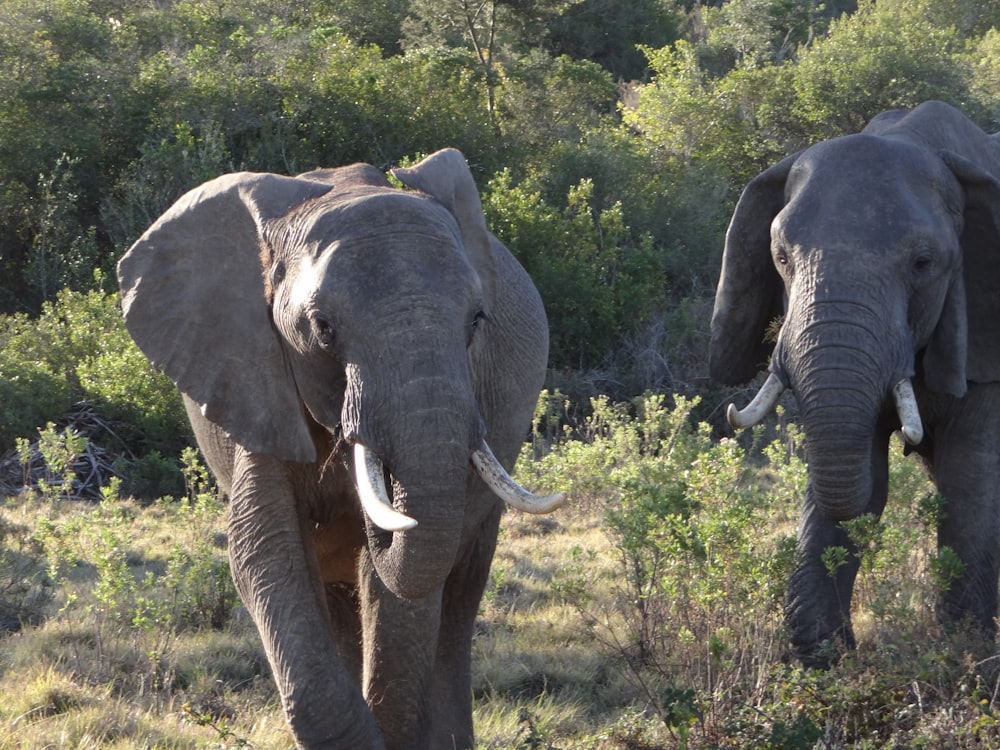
(477, 321)
(922, 263)
(323, 331)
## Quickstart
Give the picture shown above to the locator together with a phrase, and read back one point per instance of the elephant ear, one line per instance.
(749, 294)
(964, 346)
(445, 176)
(193, 300)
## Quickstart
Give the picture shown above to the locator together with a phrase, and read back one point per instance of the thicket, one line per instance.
(609, 140)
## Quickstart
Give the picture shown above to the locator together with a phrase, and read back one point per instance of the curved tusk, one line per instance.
(504, 487)
(762, 404)
(909, 414)
(371, 490)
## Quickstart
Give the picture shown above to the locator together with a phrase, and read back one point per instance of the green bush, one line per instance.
(152, 476)
(30, 395)
(77, 349)
(704, 536)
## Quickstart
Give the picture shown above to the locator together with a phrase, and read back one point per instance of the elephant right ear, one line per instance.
(193, 300)
(749, 294)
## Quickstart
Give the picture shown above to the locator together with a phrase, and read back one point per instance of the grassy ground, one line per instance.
(644, 615)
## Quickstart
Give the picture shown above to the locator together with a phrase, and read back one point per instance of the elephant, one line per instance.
(360, 364)
(879, 254)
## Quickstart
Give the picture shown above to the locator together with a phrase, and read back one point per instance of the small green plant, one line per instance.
(834, 558)
(680, 711)
(945, 567)
(226, 737)
(59, 450)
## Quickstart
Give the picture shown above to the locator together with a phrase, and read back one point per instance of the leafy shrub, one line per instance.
(77, 349)
(153, 476)
(703, 533)
(30, 394)
(595, 279)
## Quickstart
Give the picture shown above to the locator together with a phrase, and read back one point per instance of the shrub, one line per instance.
(78, 350)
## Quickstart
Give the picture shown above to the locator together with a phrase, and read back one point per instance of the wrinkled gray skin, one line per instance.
(302, 315)
(882, 248)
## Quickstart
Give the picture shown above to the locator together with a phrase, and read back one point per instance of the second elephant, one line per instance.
(881, 251)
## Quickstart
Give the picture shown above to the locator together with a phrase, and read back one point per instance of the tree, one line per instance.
(610, 32)
(490, 27)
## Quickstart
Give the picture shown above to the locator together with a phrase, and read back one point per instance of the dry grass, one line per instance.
(560, 660)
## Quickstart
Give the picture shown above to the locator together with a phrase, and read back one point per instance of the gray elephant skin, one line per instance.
(882, 252)
(334, 336)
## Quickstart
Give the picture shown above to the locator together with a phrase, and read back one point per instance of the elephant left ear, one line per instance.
(445, 176)
(980, 241)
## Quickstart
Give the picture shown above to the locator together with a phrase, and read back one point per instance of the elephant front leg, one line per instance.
(451, 708)
(279, 586)
(966, 469)
(818, 600)
(400, 640)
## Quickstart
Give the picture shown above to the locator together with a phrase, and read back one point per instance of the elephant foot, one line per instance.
(815, 645)
(823, 653)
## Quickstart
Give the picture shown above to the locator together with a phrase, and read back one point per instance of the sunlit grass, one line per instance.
(646, 613)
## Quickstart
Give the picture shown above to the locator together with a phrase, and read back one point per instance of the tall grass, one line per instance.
(646, 614)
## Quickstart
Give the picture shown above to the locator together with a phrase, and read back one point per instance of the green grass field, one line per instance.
(644, 614)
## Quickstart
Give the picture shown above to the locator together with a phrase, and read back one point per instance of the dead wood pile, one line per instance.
(92, 469)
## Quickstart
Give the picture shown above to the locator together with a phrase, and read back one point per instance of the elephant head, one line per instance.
(333, 301)
(881, 251)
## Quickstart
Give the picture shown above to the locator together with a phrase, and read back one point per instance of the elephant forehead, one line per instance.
(883, 173)
(862, 189)
(395, 264)
(375, 214)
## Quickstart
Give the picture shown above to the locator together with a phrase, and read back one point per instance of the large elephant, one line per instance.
(882, 252)
(333, 335)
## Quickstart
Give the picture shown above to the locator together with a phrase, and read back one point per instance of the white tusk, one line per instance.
(504, 487)
(762, 404)
(371, 490)
(909, 414)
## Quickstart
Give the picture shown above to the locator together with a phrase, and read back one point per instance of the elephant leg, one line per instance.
(818, 604)
(343, 602)
(400, 640)
(818, 600)
(451, 718)
(966, 469)
(275, 574)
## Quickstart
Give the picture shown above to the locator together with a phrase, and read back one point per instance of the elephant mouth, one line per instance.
(370, 479)
(767, 398)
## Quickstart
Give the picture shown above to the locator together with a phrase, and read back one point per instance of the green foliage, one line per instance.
(885, 56)
(594, 278)
(616, 135)
(611, 32)
(78, 350)
(703, 536)
(60, 451)
(130, 600)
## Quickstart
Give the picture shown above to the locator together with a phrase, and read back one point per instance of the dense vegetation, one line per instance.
(644, 616)
(610, 141)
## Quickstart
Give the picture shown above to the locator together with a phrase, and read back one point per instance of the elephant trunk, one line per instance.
(414, 448)
(842, 372)
(415, 560)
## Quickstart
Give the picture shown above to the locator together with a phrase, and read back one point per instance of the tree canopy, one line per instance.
(610, 140)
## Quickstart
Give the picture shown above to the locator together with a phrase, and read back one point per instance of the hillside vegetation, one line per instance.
(610, 141)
